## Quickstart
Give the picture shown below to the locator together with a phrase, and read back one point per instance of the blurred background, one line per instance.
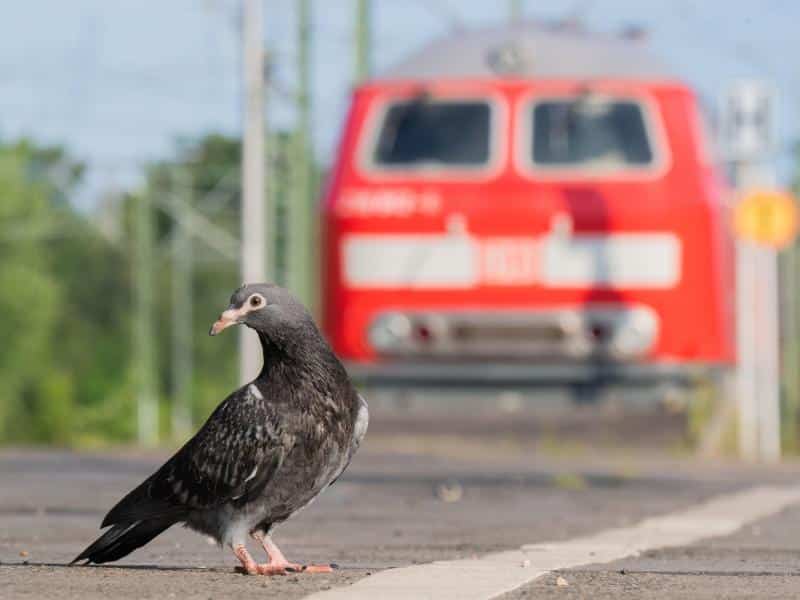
(121, 187)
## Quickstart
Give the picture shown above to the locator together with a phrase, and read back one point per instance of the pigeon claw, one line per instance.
(270, 569)
(285, 569)
(318, 569)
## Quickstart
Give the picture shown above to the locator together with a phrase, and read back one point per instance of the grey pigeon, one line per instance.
(266, 452)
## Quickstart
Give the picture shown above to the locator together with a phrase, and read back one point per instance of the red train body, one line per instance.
(526, 227)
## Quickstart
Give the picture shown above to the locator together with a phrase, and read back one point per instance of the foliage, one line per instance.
(48, 252)
(66, 290)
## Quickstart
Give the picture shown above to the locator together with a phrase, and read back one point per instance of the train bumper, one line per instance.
(494, 374)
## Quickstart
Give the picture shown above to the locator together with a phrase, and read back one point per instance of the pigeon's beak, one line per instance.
(226, 319)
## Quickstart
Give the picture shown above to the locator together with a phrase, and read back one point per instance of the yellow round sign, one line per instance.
(766, 217)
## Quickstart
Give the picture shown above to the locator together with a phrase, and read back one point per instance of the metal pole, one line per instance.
(767, 335)
(746, 371)
(768, 350)
(253, 248)
(182, 311)
(301, 267)
(363, 40)
(144, 327)
(759, 370)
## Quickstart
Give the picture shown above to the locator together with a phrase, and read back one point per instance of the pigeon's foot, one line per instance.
(284, 569)
(278, 565)
(318, 569)
(275, 568)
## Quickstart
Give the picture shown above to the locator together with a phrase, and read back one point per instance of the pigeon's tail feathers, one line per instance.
(149, 501)
(122, 539)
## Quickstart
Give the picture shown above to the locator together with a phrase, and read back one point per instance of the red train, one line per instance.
(524, 205)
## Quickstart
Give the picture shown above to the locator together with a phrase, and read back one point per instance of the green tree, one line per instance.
(55, 325)
(66, 288)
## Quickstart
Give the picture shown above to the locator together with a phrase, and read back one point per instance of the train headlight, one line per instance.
(635, 335)
(390, 331)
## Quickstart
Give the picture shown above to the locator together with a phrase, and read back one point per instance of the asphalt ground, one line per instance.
(762, 560)
(416, 493)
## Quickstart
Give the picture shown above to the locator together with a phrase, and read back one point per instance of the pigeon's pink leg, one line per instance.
(248, 564)
(278, 565)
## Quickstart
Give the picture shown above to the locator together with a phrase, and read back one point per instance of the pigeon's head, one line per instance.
(261, 306)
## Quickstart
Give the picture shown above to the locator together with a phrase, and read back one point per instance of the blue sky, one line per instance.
(118, 82)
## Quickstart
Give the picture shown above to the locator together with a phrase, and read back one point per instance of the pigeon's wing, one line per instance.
(231, 459)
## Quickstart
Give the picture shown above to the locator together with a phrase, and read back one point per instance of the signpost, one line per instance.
(766, 217)
(764, 221)
(748, 122)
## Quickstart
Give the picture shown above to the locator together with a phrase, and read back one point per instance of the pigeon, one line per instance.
(266, 452)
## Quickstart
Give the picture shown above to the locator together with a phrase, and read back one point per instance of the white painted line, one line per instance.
(501, 572)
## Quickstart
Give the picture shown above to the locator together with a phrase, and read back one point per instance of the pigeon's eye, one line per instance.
(255, 301)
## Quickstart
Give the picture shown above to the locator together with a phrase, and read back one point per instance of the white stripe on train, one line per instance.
(462, 261)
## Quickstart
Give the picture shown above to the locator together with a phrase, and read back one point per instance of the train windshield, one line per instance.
(421, 133)
(589, 133)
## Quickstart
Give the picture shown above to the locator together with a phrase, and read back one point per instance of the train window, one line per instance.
(421, 133)
(590, 133)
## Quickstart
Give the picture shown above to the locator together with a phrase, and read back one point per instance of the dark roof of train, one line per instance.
(531, 50)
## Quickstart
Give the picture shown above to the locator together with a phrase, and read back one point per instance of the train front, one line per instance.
(527, 206)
